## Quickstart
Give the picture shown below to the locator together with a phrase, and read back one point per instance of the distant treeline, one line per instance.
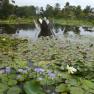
(67, 12)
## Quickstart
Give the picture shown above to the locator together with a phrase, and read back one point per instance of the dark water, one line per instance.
(29, 31)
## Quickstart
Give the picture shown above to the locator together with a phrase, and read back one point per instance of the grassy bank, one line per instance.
(57, 21)
(16, 21)
(74, 22)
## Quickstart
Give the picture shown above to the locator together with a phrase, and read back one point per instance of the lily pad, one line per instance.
(33, 87)
(3, 87)
(76, 90)
(14, 90)
(12, 82)
(62, 88)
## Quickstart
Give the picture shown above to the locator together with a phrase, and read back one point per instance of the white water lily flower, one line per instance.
(20, 70)
(19, 77)
(3, 39)
(71, 70)
(25, 72)
(40, 79)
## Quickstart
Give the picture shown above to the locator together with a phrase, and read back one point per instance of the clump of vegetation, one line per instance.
(46, 66)
(68, 15)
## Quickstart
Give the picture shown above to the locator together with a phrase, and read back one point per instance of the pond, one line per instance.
(48, 65)
(29, 31)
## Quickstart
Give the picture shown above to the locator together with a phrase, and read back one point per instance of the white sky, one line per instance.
(43, 3)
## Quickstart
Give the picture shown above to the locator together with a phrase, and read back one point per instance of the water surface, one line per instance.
(29, 31)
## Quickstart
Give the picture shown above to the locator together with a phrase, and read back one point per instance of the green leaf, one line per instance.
(73, 82)
(65, 75)
(64, 93)
(86, 84)
(1, 92)
(4, 78)
(62, 88)
(3, 87)
(33, 87)
(12, 82)
(14, 90)
(91, 91)
(76, 90)
(11, 76)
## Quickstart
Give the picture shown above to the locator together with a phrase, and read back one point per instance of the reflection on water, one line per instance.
(29, 31)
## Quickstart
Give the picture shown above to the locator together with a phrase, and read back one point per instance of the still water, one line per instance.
(29, 31)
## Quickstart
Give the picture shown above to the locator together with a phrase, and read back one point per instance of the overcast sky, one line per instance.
(43, 3)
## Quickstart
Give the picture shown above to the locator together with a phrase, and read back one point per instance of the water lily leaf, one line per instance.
(64, 93)
(91, 91)
(14, 90)
(20, 63)
(65, 75)
(4, 79)
(43, 63)
(12, 76)
(3, 87)
(76, 90)
(1, 92)
(62, 88)
(73, 82)
(33, 87)
(12, 82)
(86, 84)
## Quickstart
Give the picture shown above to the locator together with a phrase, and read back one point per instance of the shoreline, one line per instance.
(56, 21)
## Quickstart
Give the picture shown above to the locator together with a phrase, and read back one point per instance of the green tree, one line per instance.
(78, 11)
(68, 10)
(26, 11)
(6, 10)
(57, 9)
(31, 11)
(49, 11)
(87, 10)
(67, 5)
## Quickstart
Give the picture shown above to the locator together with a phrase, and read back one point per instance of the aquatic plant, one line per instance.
(60, 66)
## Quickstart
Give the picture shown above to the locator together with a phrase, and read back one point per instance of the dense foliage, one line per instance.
(6, 9)
(67, 12)
(46, 66)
